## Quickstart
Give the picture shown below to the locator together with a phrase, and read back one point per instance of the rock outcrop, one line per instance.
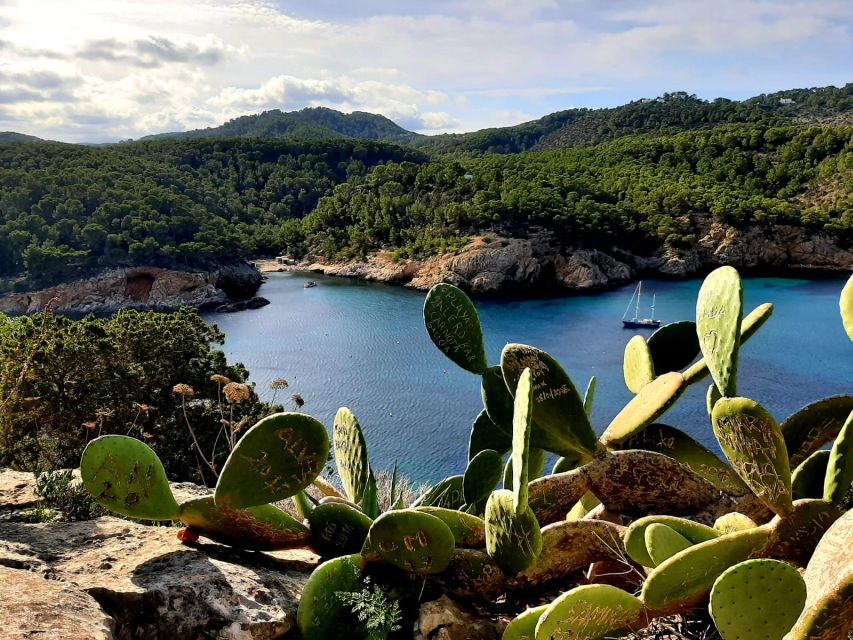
(492, 264)
(149, 288)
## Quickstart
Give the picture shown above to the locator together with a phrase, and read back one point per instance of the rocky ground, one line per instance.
(490, 264)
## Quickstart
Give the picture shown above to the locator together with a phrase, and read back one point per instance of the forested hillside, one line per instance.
(65, 209)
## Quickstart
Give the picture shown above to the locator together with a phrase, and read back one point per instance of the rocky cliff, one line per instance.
(494, 264)
(150, 288)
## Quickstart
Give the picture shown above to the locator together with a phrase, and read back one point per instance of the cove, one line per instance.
(363, 345)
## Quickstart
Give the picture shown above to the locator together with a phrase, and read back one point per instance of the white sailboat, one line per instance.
(637, 322)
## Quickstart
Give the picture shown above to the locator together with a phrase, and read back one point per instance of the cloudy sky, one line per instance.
(99, 70)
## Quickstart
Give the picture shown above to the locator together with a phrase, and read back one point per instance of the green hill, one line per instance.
(11, 136)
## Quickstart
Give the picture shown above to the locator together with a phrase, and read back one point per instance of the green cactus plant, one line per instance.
(753, 443)
(732, 522)
(560, 423)
(468, 530)
(338, 529)
(719, 312)
(589, 396)
(260, 528)
(523, 626)
(590, 612)
(652, 401)
(482, 476)
(663, 542)
(838, 484)
(454, 327)
(815, 425)
(449, 493)
(280, 455)
(674, 346)
(567, 463)
(757, 599)
(807, 480)
(636, 544)
(637, 367)
(497, 401)
(473, 576)
(846, 305)
(126, 476)
(321, 613)
(410, 540)
(350, 454)
(582, 507)
(485, 434)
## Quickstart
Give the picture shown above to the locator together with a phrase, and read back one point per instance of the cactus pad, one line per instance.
(321, 612)
(560, 423)
(711, 397)
(757, 600)
(589, 612)
(449, 494)
(648, 405)
(260, 528)
(468, 530)
(473, 575)
(412, 541)
(523, 626)
(485, 434)
(637, 366)
(674, 346)
(350, 454)
(567, 463)
(551, 497)
(635, 535)
(846, 304)
(337, 529)
(686, 578)
(497, 399)
(753, 443)
(676, 444)
(454, 327)
(839, 468)
(521, 426)
(589, 396)
(815, 425)
(280, 455)
(732, 522)
(126, 476)
(808, 479)
(795, 535)
(663, 542)
(719, 311)
(482, 475)
(587, 503)
(513, 539)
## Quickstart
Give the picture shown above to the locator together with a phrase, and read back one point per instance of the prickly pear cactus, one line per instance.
(663, 542)
(472, 575)
(126, 476)
(674, 346)
(846, 304)
(523, 626)
(337, 529)
(719, 311)
(261, 528)
(648, 405)
(711, 397)
(485, 434)
(449, 493)
(587, 503)
(321, 613)
(637, 366)
(795, 535)
(732, 522)
(411, 540)
(280, 455)
(815, 425)
(590, 612)
(567, 463)
(686, 578)
(513, 539)
(839, 468)
(560, 423)
(482, 475)
(454, 327)
(753, 443)
(521, 428)
(807, 480)
(468, 530)
(636, 539)
(676, 444)
(497, 400)
(757, 600)
(751, 323)
(589, 396)
(350, 454)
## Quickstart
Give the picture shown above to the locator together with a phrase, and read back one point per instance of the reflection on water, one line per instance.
(364, 346)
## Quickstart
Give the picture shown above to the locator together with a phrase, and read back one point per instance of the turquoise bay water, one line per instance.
(363, 345)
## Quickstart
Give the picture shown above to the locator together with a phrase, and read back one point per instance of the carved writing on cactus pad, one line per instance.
(448, 327)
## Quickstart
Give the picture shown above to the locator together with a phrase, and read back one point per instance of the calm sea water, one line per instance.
(363, 345)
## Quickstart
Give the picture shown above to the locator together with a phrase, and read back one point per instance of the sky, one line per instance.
(105, 70)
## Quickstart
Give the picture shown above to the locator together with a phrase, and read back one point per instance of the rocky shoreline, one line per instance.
(492, 264)
(144, 288)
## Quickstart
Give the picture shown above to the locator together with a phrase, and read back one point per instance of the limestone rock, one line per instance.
(34, 607)
(443, 619)
(152, 586)
(17, 490)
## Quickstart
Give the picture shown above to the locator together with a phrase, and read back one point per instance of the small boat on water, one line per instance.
(637, 322)
(310, 284)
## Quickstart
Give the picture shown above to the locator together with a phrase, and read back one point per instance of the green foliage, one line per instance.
(322, 615)
(60, 492)
(379, 614)
(63, 382)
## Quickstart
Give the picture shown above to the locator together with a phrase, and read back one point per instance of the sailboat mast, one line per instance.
(639, 293)
(653, 305)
